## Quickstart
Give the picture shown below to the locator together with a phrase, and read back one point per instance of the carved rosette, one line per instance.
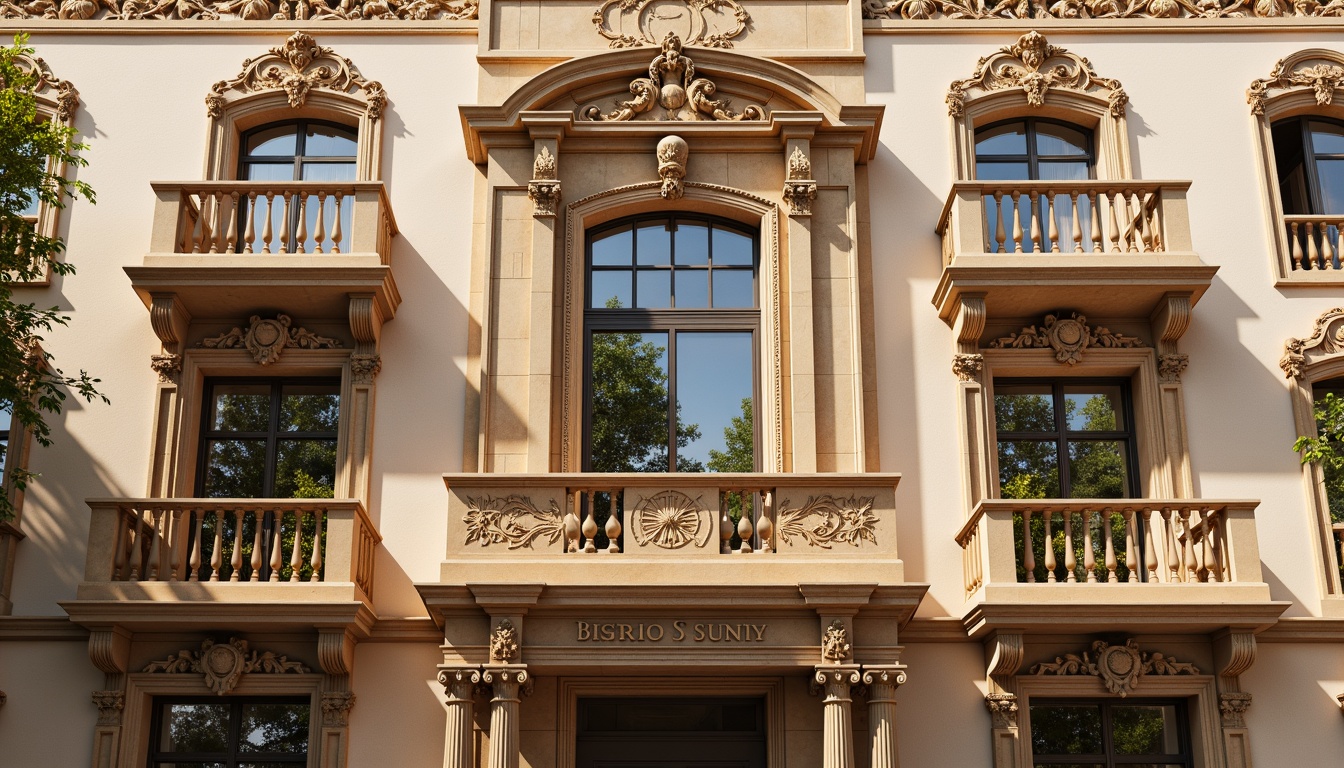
(168, 366)
(697, 20)
(1232, 708)
(835, 647)
(1319, 70)
(297, 67)
(825, 520)
(544, 188)
(670, 520)
(968, 366)
(1036, 67)
(800, 189)
(672, 84)
(513, 520)
(1326, 340)
(673, 153)
(266, 339)
(109, 704)
(1118, 666)
(1068, 337)
(1171, 365)
(1002, 709)
(504, 643)
(336, 708)
(364, 368)
(223, 664)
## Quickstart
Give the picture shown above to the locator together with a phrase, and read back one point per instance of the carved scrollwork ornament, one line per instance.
(266, 339)
(835, 646)
(460, 683)
(336, 708)
(504, 643)
(1099, 9)
(967, 367)
(46, 84)
(1035, 66)
(1068, 337)
(673, 152)
(240, 10)
(1232, 708)
(672, 84)
(223, 664)
(1320, 70)
(825, 520)
(670, 520)
(1326, 340)
(297, 67)
(698, 21)
(1118, 666)
(513, 520)
(109, 704)
(168, 366)
(1002, 709)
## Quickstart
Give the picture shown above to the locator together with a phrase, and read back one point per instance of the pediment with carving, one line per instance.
(49, 88)
(298, 67)
(1326, 341)
(673, 90)
(1037, 68)
(1317, 70)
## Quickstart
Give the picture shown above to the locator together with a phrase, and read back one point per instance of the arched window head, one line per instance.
(301, 150)
(1034, 149)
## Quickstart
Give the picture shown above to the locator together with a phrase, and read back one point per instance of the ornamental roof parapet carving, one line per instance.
(1082, 10)
(240, 10)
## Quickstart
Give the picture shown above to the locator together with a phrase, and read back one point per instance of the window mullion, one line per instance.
(1061, 439)
(672, 401)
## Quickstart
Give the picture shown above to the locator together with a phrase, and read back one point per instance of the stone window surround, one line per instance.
(723, 202)
(1313, 480)
(256, 110)
(57, 101)
(1297, 101)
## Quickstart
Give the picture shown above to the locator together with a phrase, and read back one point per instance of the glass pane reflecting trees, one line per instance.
(1110, 734)
(239, 733)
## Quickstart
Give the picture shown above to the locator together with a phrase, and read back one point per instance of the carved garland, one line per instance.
(695, 16)
(224, 664)
(1118, 666)
(1319, 70)
(825, 520)
(240, 10)
(1036, 67)
(266, 339)
(1098, 9)
(1068, 338)
(512, 520)
(297, 67)
(1326, 339)
(672, 84)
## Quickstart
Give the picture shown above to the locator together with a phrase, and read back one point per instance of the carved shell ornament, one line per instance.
(223, 664)
(707, 23)
(297, 67)
(1320, 70)
(267, 339)
(672, 84)
(1068, 337)
(1118, 666)
(670, 520)
(239, 10)
(1036, 67)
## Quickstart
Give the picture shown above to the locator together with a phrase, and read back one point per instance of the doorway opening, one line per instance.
(671, 733)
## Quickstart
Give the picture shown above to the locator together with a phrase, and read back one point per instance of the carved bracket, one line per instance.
(1002, 709)
(672, 84)
(1068, 337)
(1118, 666)
(224, 664)
(266, 339)
(697, 20)
(544, 188)
(1036, 67)
(109, 704)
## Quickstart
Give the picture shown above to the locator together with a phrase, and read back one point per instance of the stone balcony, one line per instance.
(1114, 248)
(1048, 564)
(228, 248)
(655, 529)
(205, 563)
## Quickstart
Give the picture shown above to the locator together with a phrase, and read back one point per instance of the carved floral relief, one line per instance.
(239, 10)
(1036, 67)
(672, 85)
(267, 339)
(825, 520)
(1097, 9)
(513, 520)
(297, 67)
(504, 642)
(1321, 71)
(634, 23)
(1118, 666)
(223, 664)
(1068, 337)
(835, 646)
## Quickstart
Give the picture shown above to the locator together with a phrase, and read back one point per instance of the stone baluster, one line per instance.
(613, 527)
(1144, 231)
(572, 528)
(1095, 223)
(250, 231)
(508, 684)
(277, 557)
(1036, 210)
(1131, 564)
(301, 234)
(320, 234)
(1049, 548)
(1089, 553)
(1028, 549)
(316, 561)
(267, 230)
(744, 526)
(1000, 236)
(1076, 222)
(195, 561)
(1313, 254)
(459, 684)
(1017, 222)
(217, 555)
(236, 561)
(1149, 548)
(1111, 563)
(156, 520)
(1173, 555)
(204, 242)
(175, 543)
(837, 728)
(336, 226)
(257, 517)
(1114, 223)
(726, 528)
(1296, 242)
(1070, 560)
(296, 554)
(1053, 226)
(590, 524)
(231, 225)
(765, 528)
(121, 545)
(882, 682)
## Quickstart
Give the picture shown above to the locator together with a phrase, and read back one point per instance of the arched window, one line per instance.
(1309, 155)
(312, 151)
(671, 324)
(1035, 149)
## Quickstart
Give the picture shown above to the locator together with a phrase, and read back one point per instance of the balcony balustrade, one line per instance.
(698, 526)
(1118, 246)
(1314, 245)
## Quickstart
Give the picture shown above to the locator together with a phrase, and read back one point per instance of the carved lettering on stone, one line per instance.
(336, 708)
(1118, 666)
(223, 664)
(110, 704)
(1036, 67)
(835, 646)
(825, 520)
(707, 23)
(504, 642)
(1326, 340)
(266, 339)
(670, 520)
(672, 84)
(513, 520)
(1068, 337)
(297, 67)
(1320, 71)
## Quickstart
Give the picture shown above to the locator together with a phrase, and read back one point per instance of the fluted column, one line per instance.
(508, 683)
(459, 683)
(837, 728)
(882, 682)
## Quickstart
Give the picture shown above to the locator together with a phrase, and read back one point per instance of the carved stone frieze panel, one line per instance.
(672, 85)
(239, 10)
(825, 520)
(634, 23)
(267, 339)
(1326, 340)
(1068, 337)
(513, 520)
(1118, 666)
(1319, 70)
(223, 664)
(298, 67)
(835, 645)
(670, 520)
(504, 643)
(1098, 9)
(1035, 66)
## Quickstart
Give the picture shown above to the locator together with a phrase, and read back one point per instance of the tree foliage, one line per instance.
(739, 442)
(1326, 448)
(32, 148)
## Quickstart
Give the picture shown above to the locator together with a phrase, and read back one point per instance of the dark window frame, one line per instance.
(158, 758)
(670, 320)
(273, 434)
(1063, 435)
(1032, 157)
(299, 159)
(1107, 759)
(1311, 174)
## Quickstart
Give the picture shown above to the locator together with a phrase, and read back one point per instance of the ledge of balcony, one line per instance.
(1121, 263)
(672, 528)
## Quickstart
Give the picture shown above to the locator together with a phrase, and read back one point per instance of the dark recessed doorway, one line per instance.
(671, 733)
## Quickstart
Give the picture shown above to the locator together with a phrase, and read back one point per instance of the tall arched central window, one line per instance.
(671, 325)
(1035, 149)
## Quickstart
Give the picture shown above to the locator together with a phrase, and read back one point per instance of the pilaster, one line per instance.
(1004, 731)
(336, 706)
(459, 684)
(882, 682)
(508, 683)
(802, 351)
(107, 733)
(837, 722)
